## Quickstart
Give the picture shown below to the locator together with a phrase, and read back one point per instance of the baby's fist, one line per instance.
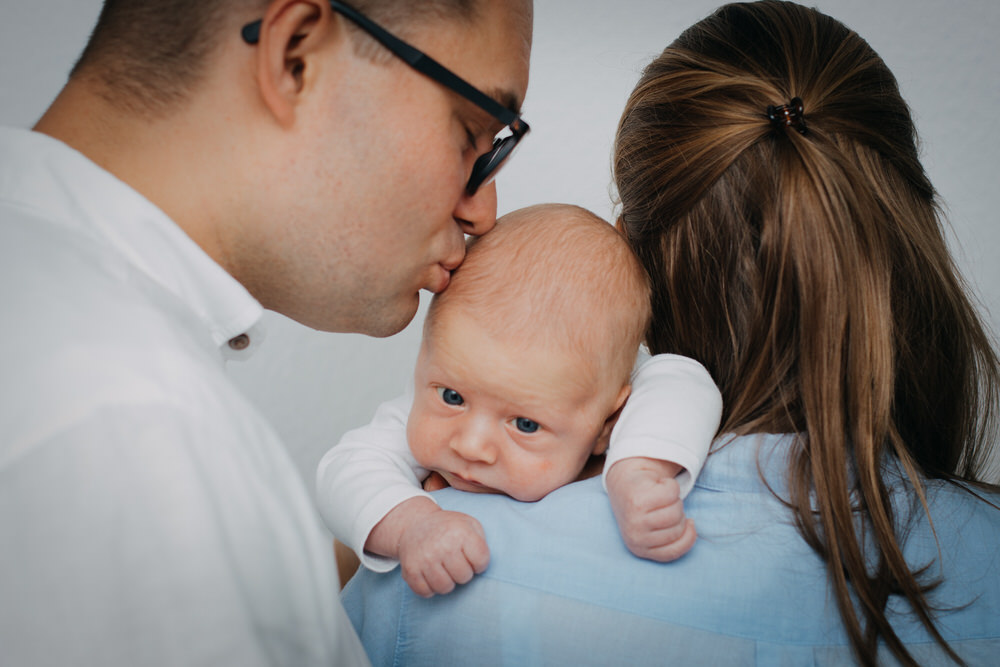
(646, 500)
(442, 550)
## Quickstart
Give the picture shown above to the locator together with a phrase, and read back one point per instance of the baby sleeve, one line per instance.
(672, 414)
(365, 475)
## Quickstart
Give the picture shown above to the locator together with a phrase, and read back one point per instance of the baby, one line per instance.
(525, 373)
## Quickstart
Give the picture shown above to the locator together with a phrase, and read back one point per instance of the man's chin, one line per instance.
(379, 320)
(391, 320)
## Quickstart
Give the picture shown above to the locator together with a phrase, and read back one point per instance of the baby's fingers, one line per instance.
(418, 582)
(637, 523)
(663, 493)
(462, 565)
(459, 571)
(436, 580)
(476, 553)
(441, 577)
(667, 545)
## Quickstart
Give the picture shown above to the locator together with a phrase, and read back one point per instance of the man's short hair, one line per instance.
(148, 55)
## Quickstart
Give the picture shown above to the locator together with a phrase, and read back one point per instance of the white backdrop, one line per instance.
(587, 56)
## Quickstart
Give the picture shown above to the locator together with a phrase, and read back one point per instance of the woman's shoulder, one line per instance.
(961, 520)
(953, 508)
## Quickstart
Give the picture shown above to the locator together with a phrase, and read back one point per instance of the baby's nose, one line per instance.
(475, 443)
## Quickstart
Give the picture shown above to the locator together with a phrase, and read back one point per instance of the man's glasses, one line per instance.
(487, 165)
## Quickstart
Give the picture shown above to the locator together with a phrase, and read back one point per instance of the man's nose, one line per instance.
(476, 214)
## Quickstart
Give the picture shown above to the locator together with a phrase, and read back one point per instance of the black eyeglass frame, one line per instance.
(487, 164)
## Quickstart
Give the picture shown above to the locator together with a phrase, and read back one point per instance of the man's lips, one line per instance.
(441, 281)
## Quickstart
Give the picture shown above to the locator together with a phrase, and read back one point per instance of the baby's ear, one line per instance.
(601, 446)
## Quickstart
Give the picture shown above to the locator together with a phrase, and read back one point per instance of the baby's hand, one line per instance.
(646, 500)
(436, 548)
(440, 550)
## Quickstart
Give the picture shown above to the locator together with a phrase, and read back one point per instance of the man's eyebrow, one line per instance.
(505, 97)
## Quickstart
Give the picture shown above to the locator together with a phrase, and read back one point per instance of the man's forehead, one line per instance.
(501, 34)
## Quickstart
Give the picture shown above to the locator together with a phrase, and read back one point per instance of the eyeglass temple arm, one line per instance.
(415, 59)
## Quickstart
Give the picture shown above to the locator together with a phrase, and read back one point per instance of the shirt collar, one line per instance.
(62, 185)
(751, 463)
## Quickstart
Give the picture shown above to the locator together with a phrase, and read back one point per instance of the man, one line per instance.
(207, 159)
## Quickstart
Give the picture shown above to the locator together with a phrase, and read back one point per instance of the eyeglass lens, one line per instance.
(488, 164)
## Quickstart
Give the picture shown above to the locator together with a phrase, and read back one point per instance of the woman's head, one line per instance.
(804, 264)
(786, 260)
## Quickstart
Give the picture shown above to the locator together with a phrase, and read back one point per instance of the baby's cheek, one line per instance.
(537, 468)
(538, 479)
(419, 439)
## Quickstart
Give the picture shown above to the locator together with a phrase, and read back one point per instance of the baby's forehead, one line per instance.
(591, 343)
(520, 313)
(517, 364)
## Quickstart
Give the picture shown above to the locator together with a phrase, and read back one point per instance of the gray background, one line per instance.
(587, 56)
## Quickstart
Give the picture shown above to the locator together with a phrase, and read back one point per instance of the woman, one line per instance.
(770, 185)
(769, 180)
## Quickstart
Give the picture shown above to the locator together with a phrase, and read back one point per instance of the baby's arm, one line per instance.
(657, 449)
(369, 495)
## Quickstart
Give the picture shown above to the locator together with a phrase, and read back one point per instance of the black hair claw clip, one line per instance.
(789, 115)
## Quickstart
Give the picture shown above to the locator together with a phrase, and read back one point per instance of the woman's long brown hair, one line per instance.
(809, 273)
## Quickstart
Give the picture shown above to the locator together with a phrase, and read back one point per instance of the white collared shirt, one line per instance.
(148, 513)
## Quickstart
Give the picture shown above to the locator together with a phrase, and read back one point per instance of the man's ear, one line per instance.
(291, 35)
(601, 446)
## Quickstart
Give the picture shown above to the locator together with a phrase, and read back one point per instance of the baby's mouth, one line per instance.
(467, 484)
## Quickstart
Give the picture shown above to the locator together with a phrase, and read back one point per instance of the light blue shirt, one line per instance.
(562, 589)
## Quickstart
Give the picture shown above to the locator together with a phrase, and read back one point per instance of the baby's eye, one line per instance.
(450, 396)
(525, 425)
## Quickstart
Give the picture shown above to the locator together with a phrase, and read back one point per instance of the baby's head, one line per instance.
(526, 356)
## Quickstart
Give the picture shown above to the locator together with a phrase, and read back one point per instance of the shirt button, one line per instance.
(240, 342)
